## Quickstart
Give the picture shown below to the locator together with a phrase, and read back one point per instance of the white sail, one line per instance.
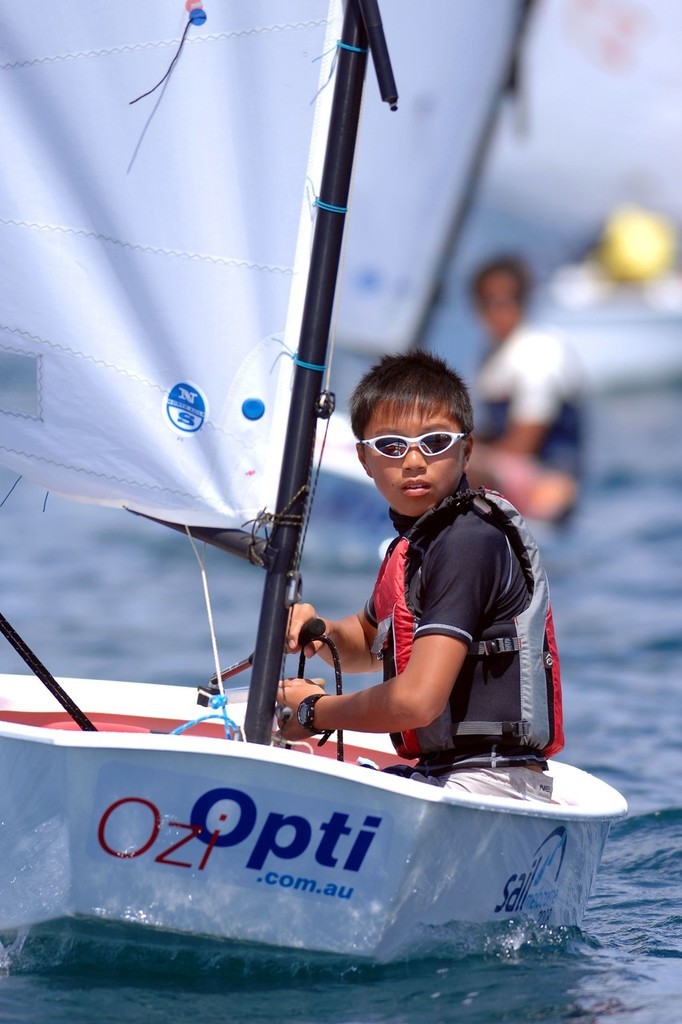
(153, 255)
(413, 172)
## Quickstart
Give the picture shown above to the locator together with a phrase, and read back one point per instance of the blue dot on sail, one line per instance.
(197, 16)
(253, 408)
(186, 408)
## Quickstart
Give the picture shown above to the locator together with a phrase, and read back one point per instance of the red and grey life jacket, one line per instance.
(525, 714)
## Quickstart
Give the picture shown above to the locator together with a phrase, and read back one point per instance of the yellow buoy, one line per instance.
(637, 245)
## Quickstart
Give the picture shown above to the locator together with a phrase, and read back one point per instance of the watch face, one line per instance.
(306, 712)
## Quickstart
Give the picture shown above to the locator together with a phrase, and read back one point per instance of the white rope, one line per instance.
(211, 625)
(209, 610)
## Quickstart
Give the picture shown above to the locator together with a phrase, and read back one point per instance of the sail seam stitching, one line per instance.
(101, 476)
(161, 43)
(150, 249)
(65, 350)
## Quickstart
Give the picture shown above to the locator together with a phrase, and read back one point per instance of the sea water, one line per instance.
(98, 592)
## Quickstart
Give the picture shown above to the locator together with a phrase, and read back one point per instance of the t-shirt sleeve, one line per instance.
(541, 379)
(370, 614)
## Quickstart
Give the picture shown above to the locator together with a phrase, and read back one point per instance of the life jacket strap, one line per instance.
(502, 645)
(518, 730)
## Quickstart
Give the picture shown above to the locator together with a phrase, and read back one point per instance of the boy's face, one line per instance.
(415, 482)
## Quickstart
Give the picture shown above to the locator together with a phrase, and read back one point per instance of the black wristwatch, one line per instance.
(306, 712)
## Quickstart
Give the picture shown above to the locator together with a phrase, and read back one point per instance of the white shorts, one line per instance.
(521, 783)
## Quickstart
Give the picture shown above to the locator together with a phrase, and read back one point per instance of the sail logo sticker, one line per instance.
(186, 408)
(534, 889)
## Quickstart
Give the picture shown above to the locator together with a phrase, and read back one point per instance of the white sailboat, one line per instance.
(169, 269)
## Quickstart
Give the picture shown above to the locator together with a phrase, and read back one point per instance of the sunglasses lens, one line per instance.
(393, 447)
(434, 444)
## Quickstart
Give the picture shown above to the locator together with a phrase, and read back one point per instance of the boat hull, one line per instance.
(200, 835)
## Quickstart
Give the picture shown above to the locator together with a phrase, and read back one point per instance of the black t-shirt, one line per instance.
(470, 582)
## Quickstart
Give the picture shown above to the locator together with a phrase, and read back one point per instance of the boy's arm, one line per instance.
(412, 699)
(522, 437)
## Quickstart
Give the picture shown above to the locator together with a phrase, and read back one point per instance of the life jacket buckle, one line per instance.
(500, 645)
(519, 730)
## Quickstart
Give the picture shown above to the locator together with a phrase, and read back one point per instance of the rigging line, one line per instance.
(313, 479)
(209, 611)
(313, 633)
(309, 366)
(338, 45)
(16, 482)
(196, 17)
(219, 703)
(351, 49)
(328, 207)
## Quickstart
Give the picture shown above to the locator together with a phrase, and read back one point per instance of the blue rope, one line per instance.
(220, 703)
(353, 49)
(322, 205)
(309, 366)
(329, 208)
(340, 46)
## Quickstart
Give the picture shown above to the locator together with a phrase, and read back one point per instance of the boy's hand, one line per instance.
(290, 693)
(301, 614)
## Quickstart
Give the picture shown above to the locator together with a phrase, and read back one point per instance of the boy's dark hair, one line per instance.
(513, 266)
(404, 381)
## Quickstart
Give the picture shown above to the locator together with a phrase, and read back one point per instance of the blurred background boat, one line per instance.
(581, 118)
(583, 178)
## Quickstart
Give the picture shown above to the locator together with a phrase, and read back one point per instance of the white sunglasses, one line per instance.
(395, 446)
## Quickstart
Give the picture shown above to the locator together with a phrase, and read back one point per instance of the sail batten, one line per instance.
(154, 254)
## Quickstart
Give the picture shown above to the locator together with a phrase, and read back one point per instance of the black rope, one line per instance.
(45, 677)
(264, 520)
(170, 68)
(17, 481)
(327, 640)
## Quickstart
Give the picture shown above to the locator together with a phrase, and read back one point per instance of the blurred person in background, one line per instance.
(530, 395)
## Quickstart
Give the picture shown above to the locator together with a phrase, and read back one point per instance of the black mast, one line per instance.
(312, 353)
